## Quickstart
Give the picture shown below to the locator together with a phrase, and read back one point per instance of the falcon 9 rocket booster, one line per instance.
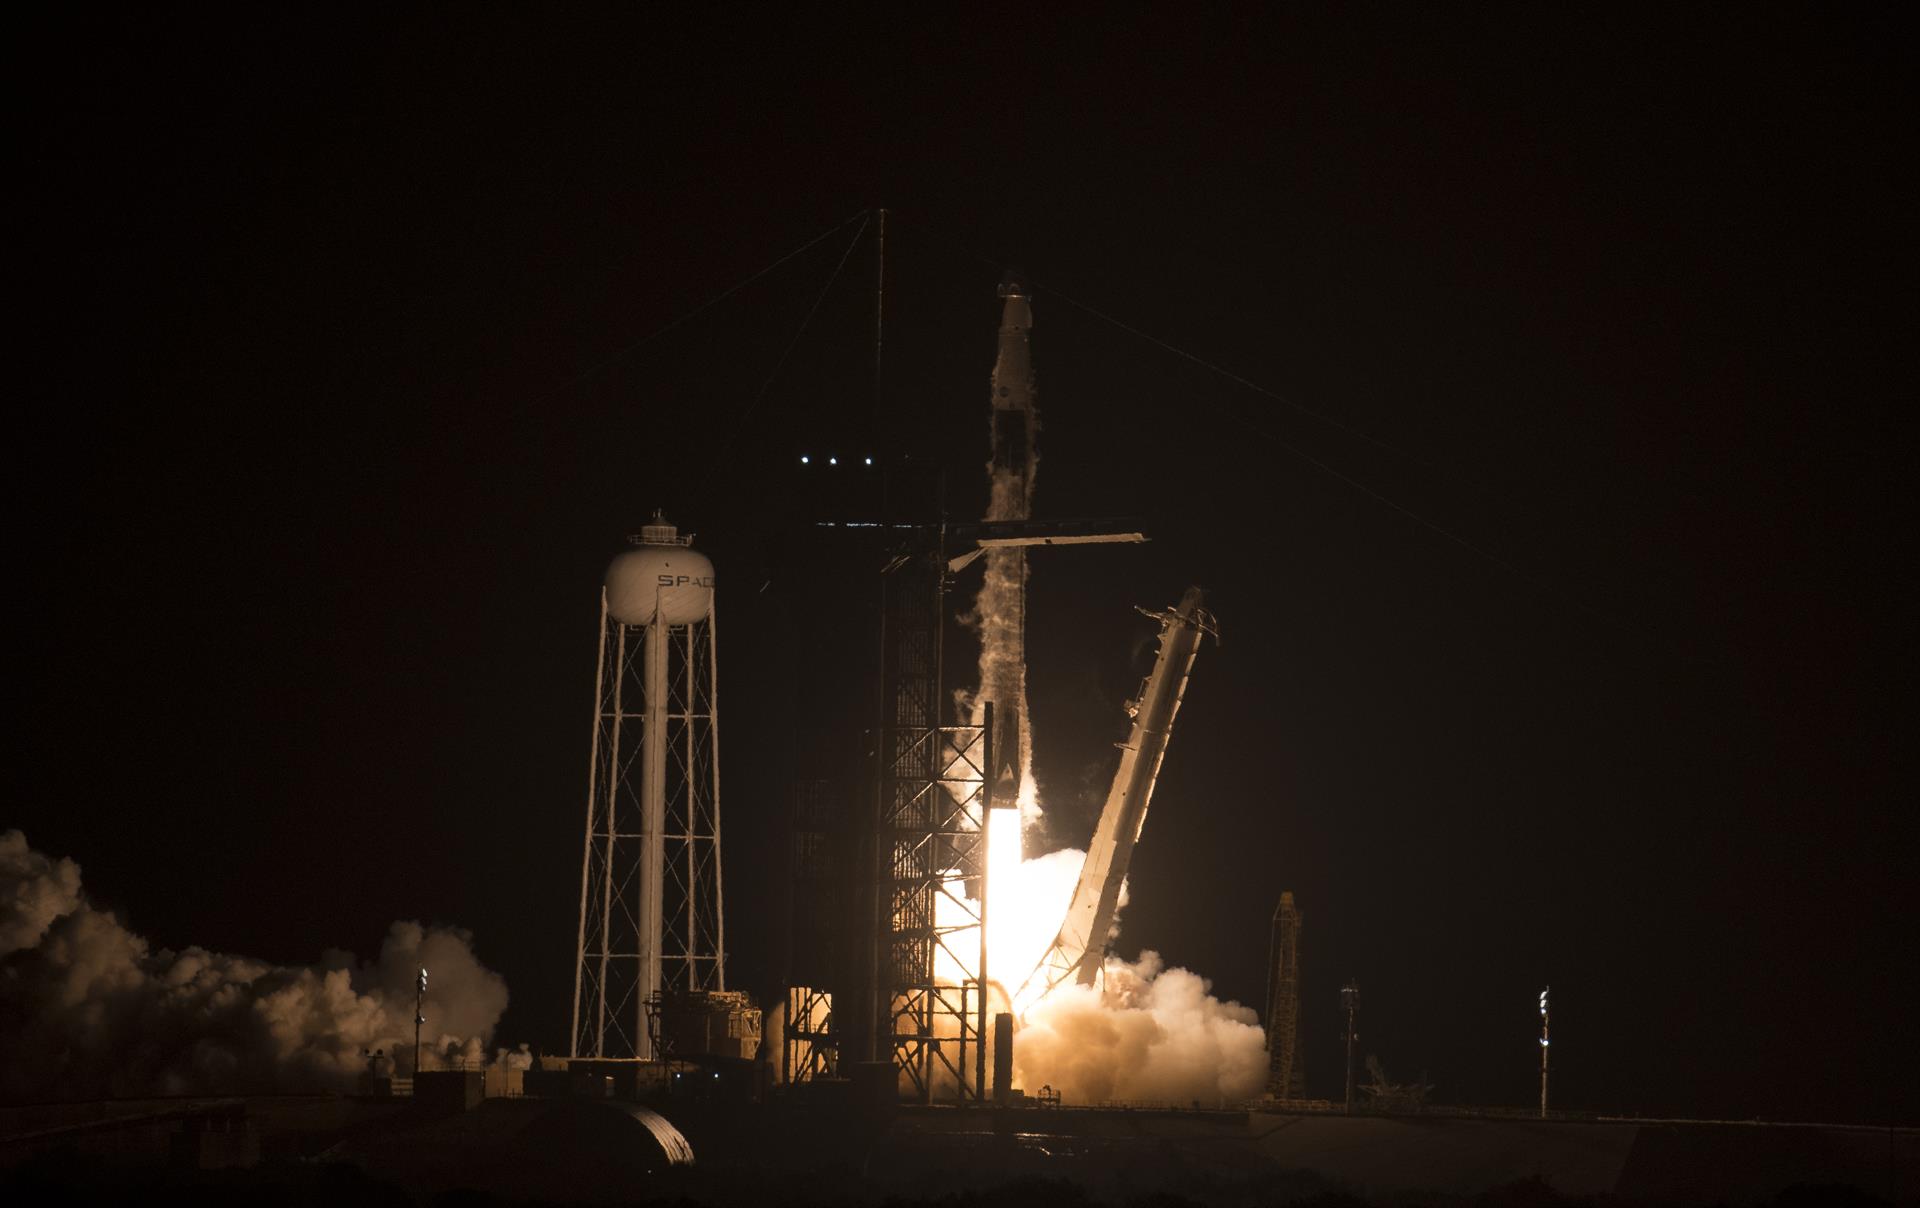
(1002, 608)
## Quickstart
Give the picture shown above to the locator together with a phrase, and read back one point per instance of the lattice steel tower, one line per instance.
(650, 887)
(933, 802)
(1286, 1077)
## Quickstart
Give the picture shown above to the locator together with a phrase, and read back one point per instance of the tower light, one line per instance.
(1543, 1052)
(1350, 1003)
(419, 1017)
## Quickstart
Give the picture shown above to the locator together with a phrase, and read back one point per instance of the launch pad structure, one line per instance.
(932, 801)
(891, 842)
(915, 997)
(1079, 951)
(921, 1004)
(936, 788)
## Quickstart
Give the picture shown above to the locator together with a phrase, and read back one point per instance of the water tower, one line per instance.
(650, 891)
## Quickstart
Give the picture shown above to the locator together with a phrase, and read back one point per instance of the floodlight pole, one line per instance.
(1350, 1000)
(419, 1017)
(1543, 1054)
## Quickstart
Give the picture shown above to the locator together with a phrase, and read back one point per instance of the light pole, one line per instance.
(419, 1016)
(1543, 1054)
(1350, 1003)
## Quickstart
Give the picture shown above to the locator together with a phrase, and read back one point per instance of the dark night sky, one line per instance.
(336, 408)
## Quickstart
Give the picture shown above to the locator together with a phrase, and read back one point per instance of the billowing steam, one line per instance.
(1146, 1034)
(88, 1008)
(1150, 1034)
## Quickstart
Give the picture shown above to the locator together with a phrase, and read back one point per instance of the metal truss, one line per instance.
(817, 905)
(932, 786)
(651, 894)
(1285, 1072)
(812, 1049)
(934, 835)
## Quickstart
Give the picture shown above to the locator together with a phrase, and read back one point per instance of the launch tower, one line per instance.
(650, 888)
(933, 803)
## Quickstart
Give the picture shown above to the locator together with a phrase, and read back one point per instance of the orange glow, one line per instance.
(1003, 888)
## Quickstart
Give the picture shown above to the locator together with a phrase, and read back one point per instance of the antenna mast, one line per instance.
(879, 310)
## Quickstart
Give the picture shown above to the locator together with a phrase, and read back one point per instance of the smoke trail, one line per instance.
(1152, 1034)
(88, 1008)
(999, 617)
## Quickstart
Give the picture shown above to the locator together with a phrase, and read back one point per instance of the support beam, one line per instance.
(1079, 951)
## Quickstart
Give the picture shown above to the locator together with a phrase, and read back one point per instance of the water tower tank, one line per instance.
(660, 578)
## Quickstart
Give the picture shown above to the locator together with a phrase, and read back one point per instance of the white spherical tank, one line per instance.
(660, 578)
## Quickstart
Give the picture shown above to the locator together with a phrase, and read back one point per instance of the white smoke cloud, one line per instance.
(1151, 1034)
(88, 1008)
(34, 891)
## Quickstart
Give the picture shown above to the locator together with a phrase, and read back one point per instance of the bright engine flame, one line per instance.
(1003, 884)
(1026, 903)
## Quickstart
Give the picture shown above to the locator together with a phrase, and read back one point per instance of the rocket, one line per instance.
(1002, 606)
(1013, 398)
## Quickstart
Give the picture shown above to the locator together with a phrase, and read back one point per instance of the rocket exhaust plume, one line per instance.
(1093, 1026)
(1147, 1034)
(89, 1009)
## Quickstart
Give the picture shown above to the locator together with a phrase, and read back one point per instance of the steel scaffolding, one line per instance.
(932, 813)
(817, 867)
